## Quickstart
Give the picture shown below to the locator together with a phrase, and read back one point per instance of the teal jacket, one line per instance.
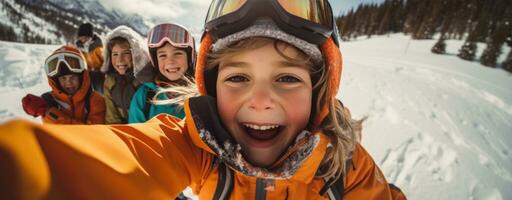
(137, 112)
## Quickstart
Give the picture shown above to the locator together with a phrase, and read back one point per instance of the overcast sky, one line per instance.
(191, 13)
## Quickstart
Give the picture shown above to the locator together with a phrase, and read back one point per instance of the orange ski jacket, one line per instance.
(72, 109)
(159, 158)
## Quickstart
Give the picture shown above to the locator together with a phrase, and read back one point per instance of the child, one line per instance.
(71, 100)
(126, 67)
(172, 53)
(268, 125)
(91, 46)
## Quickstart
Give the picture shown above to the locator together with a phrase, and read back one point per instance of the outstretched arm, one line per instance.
(141, 161)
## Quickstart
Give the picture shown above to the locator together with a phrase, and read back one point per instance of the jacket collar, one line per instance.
(299, 162)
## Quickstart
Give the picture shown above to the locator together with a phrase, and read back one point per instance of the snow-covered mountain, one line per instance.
(56, 21)
(438, 126)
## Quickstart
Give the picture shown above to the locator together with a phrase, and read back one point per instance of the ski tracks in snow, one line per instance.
(420, 151)
(450, 136)
(21, 72)
(22, 67)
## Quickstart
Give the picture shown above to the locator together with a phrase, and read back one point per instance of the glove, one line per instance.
(34, 105)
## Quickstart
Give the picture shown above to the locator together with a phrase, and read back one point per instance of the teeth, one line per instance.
(262, 128)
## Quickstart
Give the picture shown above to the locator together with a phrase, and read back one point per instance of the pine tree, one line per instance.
(397, 16)
(439, 47)
(497, 35)
(507, 64)
(507, 22)
(468, 51)
(491, 53)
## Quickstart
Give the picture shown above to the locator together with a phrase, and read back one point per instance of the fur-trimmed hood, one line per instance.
(137, 44)
(299, 162)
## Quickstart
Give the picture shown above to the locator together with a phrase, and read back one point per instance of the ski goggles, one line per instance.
(310, 20)
(175, 34)
(73, 62)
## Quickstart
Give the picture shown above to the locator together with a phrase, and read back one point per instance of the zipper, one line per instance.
(72, 109)
(261, 192)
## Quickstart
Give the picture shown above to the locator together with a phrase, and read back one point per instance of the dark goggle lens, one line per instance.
(52, 64)
(223, 7)
(72, 62)
(175, 33)
(315, 11)
(312, 10)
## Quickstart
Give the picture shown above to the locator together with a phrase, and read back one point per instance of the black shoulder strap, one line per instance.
(50, 101)
(224, 181)
(147, 105)
(336, 189)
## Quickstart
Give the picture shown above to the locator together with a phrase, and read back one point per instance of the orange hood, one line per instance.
(80, 94)
(332, 62)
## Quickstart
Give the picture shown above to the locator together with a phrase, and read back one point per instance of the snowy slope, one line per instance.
(439, 127)
(21, 72)
(56, 21)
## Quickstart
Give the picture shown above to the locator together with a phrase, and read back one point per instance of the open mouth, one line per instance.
(122, 67)
(262, 132)
(172, 70)
(70, 89)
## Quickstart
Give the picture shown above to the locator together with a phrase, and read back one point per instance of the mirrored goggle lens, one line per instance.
(51, 65)
(176, 34)
(223, 7)
(316, 11)
(73, 63)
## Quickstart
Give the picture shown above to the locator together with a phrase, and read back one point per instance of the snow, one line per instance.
(438, 126)
(21, 72)
(39, 26)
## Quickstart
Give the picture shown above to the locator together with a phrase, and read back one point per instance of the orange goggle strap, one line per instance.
(202, 57)
(333, 63)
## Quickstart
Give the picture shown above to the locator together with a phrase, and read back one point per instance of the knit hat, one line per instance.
(267, 28)
(85, 30)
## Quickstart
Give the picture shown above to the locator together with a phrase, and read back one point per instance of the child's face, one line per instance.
(264, 100)
(121, 58)
(70, 83)
(84, 39)
(172, 62)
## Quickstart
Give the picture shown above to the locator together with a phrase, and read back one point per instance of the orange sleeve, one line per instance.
(153, 160)
(364, 180)
(98, 109)
(99, 55)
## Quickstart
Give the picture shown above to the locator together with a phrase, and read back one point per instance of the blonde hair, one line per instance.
(343, 131)
(179, 93)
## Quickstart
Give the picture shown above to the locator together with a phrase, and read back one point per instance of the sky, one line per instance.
(191, 13)
(342, 6)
